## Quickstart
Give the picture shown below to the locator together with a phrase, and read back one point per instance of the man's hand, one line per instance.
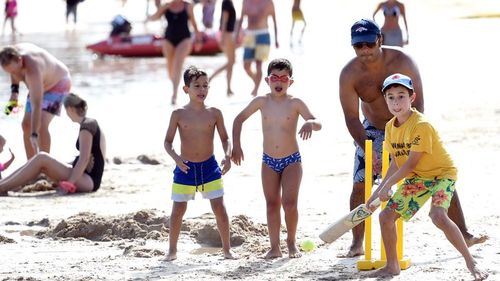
(376, 164)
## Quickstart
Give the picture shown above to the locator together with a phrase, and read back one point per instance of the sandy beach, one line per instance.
(121, 231)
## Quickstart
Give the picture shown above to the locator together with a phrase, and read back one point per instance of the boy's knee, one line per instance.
(290, 205)
(387, 217)
(438, 216)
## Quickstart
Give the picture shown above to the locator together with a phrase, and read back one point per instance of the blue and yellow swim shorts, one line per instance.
(205, 177)
(412, 194)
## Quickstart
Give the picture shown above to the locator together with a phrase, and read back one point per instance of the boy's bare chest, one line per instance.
(201, 122)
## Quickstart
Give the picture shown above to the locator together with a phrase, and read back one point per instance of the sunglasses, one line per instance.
(361, 45)
(282, 78)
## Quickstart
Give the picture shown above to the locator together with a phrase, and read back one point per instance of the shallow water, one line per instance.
(130, 96)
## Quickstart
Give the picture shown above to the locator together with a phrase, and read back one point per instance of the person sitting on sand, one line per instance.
(420, 160)
(196, 168)
(84, 175)
(281, 160)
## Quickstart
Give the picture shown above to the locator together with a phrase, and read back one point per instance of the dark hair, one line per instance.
(280, 64)
(72, 100)
(193, 73)
(9, 54)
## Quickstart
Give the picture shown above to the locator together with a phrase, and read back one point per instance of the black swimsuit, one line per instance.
(177, 28)
(228, 7)
(95, 167)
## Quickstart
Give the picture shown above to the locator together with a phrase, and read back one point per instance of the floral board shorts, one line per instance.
(412, 194)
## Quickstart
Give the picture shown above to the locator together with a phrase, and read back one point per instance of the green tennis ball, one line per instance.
(307, 245)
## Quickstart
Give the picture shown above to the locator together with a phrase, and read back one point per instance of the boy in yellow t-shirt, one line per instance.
(419, 158)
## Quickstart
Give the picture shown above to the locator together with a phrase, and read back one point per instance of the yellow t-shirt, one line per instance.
(417, 134)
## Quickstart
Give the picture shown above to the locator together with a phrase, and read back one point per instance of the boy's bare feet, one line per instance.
(478, 273)
(293, 251)
(385, 272)
(273, 254)
(354, 251)
(172, 255)
(473, 240)
(229, 255)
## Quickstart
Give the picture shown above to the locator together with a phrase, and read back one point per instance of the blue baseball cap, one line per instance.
(399, 79)
(364, 31)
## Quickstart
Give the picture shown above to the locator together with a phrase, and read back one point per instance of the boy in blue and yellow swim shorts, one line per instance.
(204, 177)
(196, 169)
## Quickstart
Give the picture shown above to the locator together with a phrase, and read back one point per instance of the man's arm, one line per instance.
(349, 100)
(240, 22)
(34, 81)
(411, 69)
(273, 16)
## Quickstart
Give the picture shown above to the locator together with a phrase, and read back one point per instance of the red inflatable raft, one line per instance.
(147, 45)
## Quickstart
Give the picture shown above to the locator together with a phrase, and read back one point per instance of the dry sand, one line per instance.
(121, 231)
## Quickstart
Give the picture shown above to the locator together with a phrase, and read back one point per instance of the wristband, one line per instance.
(14, 88)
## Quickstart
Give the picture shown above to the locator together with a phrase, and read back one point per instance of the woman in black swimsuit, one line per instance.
(178, 44)
(84, 175)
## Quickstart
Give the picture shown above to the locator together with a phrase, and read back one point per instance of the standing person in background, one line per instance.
(208, 11)
(71, 6)
(257, 40)
(227, 41)
(297, 15)
(177, 44)
(48, 81)
(391, 31)
(10, 14)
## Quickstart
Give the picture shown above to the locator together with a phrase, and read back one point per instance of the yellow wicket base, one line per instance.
(368, 263)
(404, 263)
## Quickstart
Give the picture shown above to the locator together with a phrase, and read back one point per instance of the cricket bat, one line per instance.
(346, 223)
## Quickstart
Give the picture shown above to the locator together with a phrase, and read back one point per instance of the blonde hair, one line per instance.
(76, 102)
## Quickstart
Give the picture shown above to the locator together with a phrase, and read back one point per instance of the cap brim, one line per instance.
(396, 83)
(367, 38)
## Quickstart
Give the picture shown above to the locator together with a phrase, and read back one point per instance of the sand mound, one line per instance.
(242, 230)
(143, 224)
(147, 224)
(39, 185)
(6, 240)
(140, 252)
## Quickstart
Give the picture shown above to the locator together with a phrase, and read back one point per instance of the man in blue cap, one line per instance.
(360, 86)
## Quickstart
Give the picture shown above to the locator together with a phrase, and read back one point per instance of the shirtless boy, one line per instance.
(196, 168)
(281, 161)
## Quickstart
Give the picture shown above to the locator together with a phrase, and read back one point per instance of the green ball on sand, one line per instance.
(307, 245)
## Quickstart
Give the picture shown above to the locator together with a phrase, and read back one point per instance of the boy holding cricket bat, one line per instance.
(419, 158)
